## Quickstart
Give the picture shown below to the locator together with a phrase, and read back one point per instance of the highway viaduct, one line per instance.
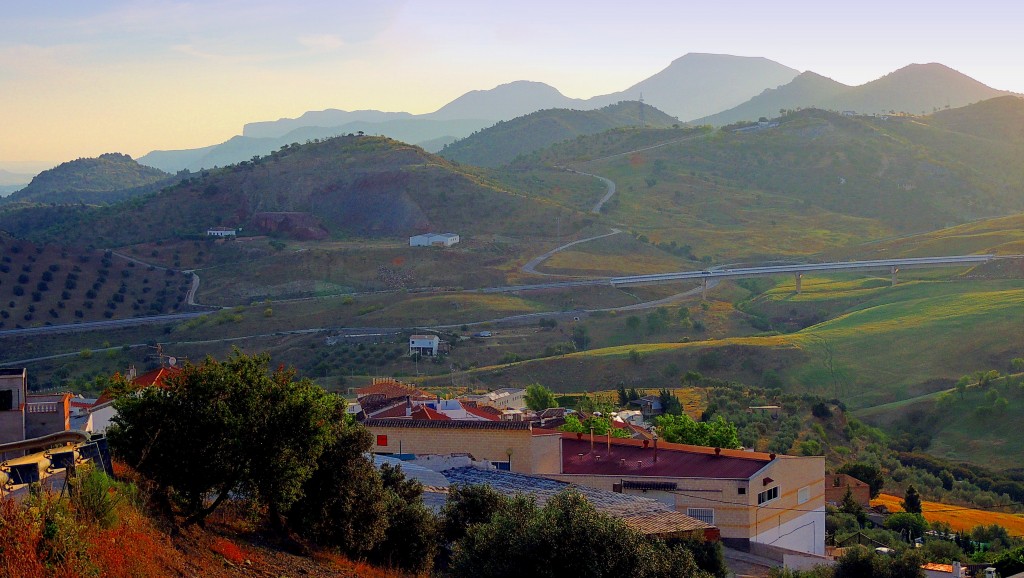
(797, 270)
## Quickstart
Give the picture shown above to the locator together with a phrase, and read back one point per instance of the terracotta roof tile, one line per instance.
(392, 388)
(485, 412)
(452, 424)
(423, 412)
(674, 460)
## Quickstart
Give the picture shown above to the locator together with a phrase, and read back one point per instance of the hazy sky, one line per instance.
(79, 78)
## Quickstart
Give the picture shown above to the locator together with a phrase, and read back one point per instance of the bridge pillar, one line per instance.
(895, 280)
(799, 278)
(704, 289)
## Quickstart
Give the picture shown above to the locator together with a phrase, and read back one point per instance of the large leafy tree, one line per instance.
(340, 505)
(867, 473)
(539, 398)
(566, 537)
(683, 429)
(226, 428)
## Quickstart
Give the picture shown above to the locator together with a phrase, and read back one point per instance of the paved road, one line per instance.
(93, 325)
(531, 267)
(908, 263)
(607, 196)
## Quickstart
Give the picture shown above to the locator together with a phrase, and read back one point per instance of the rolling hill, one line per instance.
(899, 174)
(503, 142)
(108, 178)
(345, 186)
(913, 89)
(1000, 119)
(809, 89)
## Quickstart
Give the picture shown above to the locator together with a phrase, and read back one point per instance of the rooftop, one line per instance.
(644, 514)
(628, 457)
(422, 412)
(450, 424)
(391, 388)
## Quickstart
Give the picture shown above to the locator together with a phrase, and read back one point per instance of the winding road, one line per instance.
(531, 266)
(709, 278)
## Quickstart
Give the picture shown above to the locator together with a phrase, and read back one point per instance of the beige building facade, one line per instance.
(752, 497)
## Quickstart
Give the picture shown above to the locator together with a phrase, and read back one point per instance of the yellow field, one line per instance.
(957, 517)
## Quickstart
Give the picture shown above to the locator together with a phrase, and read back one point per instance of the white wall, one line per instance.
(803, 534)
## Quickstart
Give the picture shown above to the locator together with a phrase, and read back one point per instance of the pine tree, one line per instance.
(912, 500)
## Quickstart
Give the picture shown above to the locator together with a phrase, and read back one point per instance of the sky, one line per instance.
(78, 79)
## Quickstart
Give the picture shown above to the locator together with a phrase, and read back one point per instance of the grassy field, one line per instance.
(614, 256)
(957, 517)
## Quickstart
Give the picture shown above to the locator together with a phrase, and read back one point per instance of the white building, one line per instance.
(504, 398)
(221, 232)
(434, 240)
(424, 344)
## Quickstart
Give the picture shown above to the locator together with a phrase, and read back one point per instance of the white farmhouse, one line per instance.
(434, 240)
(221, 232)
(424, 345)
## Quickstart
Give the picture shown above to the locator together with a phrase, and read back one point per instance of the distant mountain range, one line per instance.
(701, 88)
(108, 178)
(503, 142)
(697, 85)
(10, 182)
(914, 89)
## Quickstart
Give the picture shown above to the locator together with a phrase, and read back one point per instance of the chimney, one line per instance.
(591, 439)
(639, 464)
(609, 433)
(655, 448)
(718, 451)
(622, 462)
(957, 573)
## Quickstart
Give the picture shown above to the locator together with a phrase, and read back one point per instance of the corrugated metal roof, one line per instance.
(644, 514)
(412, 471)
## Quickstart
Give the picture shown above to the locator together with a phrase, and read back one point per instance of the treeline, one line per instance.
(1011, 484)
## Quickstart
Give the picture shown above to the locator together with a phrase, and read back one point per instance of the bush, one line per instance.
(567, 537)
(96, 497)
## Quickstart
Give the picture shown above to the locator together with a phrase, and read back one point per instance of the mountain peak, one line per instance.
(505, 102)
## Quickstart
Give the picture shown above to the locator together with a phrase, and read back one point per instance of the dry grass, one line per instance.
(959, 518)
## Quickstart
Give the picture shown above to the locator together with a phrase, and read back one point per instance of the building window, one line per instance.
(803, 495)
(767, 495)
(706, 515)
(741, 491)
(502, 466)
(382, 440)
(6, 400)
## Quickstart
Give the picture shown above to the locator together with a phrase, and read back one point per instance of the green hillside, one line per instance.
(914, 89)
(108, 178)
(848, 178)
(345, 186)
(503, 142)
